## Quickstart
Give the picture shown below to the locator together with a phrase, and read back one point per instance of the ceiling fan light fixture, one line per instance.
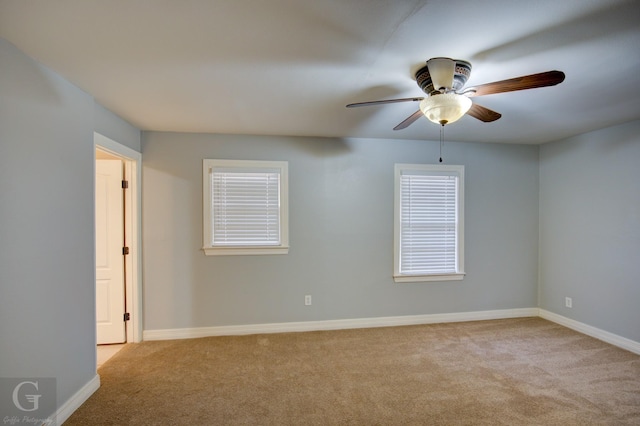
(441, 71)
(445, 108)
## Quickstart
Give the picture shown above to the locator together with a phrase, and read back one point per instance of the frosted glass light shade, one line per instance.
(441, 71)
(445, 108)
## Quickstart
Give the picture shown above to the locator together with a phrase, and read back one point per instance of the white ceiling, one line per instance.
(289, 67)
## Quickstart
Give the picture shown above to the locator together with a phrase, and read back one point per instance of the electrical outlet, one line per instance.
(568, 302)
(307, 300)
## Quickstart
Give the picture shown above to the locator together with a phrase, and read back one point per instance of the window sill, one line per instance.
(246, 251)
(423, 278)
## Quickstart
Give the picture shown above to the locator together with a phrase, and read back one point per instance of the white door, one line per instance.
(110, 295)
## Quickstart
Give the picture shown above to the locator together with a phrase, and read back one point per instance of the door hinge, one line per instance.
(125, 251)
(125, 184)
(127, 316)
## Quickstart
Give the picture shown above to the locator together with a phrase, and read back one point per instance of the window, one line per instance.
(245, 208)
(428, 230)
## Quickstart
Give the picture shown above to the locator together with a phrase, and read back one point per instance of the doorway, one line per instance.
(129, 164)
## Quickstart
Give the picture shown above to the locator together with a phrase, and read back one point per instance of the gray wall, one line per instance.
(341, 231)
(47, 287)
(590, 228)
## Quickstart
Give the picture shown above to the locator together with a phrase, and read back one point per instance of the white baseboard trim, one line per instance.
(605, 336)
(72, 404)
(285, 327)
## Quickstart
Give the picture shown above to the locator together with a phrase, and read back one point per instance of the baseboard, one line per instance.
(286, 327)
(232, 330)
(72, 404)
(605, 336)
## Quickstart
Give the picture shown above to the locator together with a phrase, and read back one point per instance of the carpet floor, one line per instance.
(524, 371)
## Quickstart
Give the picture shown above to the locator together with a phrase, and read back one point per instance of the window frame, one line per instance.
(208, 165)
(435, 169)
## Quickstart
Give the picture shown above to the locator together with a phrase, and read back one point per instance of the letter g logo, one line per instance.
(31, 398)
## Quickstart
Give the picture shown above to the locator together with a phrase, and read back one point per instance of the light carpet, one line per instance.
(525, 371)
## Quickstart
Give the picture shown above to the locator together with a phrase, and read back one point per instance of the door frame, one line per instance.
(132, 161)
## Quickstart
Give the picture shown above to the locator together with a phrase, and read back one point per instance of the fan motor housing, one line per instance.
(460, 77)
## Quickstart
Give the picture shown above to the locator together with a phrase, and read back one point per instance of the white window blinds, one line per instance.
(246, 208)
(429, 221)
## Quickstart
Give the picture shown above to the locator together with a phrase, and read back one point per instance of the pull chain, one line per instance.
(441, 140)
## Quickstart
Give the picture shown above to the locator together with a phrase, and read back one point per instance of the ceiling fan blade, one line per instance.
(409, 120)
(483, 113)
(386, 101)
(543, 79)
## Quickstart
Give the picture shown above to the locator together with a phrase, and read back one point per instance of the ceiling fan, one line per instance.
(443, 80)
